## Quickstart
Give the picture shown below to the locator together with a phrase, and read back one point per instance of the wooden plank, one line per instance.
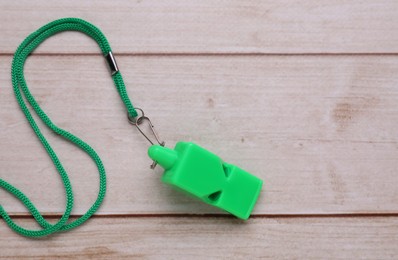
(320, 131)
(255, 26)
(213, 238)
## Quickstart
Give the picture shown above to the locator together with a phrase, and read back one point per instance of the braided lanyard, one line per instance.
(19, 83)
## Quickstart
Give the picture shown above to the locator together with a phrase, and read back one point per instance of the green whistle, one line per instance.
(204, 175)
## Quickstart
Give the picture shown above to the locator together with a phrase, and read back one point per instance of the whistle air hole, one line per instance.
(214, 196)
(227, 170)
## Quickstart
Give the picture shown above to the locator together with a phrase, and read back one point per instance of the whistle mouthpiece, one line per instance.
(164, 156)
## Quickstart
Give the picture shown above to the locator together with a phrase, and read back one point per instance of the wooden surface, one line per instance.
(207, 26)
(214, 238)
(303, 94)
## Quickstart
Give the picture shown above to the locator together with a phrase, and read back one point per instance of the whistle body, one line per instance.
(204, 175)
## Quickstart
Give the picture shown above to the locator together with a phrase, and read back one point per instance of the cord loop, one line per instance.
(19, 83)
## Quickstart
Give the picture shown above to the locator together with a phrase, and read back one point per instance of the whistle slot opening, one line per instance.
(214, 196)
(227, 170)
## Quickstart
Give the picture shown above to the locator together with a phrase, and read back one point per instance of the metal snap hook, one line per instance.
(137, 121)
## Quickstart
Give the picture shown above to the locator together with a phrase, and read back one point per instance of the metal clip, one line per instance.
(137, 121)
(112, 63)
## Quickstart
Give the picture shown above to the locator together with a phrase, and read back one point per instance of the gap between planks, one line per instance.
(188, 54)
(185, 215)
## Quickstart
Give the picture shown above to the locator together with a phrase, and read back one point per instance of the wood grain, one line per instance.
(253, 26)
(301, 93)
(320, 130)
(213, 238)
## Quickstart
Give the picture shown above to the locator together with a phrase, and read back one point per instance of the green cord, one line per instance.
(19, 83)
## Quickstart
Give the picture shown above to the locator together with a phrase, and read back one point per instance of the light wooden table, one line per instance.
(303, 94)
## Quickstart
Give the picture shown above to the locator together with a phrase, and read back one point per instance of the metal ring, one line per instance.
(134, 120)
